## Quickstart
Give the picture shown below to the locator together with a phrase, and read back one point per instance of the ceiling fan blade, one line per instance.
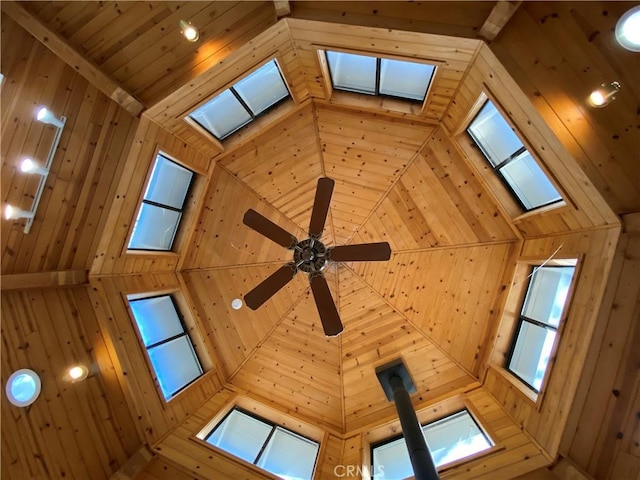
(361, 252)
(326, 306)
(269, 286)
(324, 190)
(266, 227)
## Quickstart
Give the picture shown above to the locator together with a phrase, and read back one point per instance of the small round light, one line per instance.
(236, 304)
(596, 98)
(41, 113)
(77, 373)
(604, 95)
(23, 387)
(628, 29)
(9, 212)
(189, 32)
(28, 165)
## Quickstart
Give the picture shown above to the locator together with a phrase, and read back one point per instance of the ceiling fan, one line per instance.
(310, 256)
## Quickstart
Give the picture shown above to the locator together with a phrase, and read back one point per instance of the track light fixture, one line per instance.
(189, 32)
(29, 166)
(45, 116)
(13, 213)
(604, 95)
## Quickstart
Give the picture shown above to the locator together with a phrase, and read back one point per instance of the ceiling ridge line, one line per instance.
(227, 267)
(457, 246)
(269, 333)
(322, 166)
(392, 186)
(418, 329)
(263, 199)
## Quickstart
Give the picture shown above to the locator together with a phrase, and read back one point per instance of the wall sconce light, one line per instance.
(604, 95)
(189, 32)
(76, 373)
(29, 166)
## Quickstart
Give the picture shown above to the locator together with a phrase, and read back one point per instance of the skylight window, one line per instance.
(239, 105)
(162, 206)
(511, 160)
(167, 342)
(451, 438)
(269, 446)
(540, 317)
(379, 76)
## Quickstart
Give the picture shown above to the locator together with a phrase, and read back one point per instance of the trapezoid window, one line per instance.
(511, 161)
(449, 439)
(242, 103)
(379, 76)
(266, 445)
(169, 347)
(162, 206)
(535, 334)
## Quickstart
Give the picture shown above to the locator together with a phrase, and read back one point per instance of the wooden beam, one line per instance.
(502, 11)
(66, 278)
(69, 55)
(136, 464)
(283, 8)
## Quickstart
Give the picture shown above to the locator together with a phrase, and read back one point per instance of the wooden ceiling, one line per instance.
(403, 175)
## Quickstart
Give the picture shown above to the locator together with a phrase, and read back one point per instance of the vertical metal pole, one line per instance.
(421, 461)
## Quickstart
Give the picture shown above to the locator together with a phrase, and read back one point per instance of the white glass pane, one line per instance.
(391, 461)
(240, 435)
(289, 456)
(352, 72)
(222, 115)
(454, 437)
(494, 135)
(168, 184)
(157, 319)
(404, 79)
(155, 228)
(175, 364)
(263, 88)
(531, 353)
(547, 294)
(529, 182)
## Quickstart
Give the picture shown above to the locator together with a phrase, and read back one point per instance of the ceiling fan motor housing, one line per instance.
(310, 255)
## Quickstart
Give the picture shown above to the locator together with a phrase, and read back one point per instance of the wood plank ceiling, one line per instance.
(398, 179)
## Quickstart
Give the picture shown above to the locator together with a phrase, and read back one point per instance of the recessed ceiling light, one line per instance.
(604, 95)
(236, 304)
(77, 373)
(628, 29)
(23, 387)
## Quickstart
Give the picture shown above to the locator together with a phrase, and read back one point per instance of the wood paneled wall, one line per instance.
(154, 416)
(80, 430)
(603, 430)
(558, 52)
(545, 421)
(584, 207)
(88, 162)
(112, 255)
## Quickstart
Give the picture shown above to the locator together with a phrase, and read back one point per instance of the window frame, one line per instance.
(377, 93)
(185, 332)
(231, 87)
(481, 103)
(521, 318)
(464, 408)
(181, 211)
(212, 426)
